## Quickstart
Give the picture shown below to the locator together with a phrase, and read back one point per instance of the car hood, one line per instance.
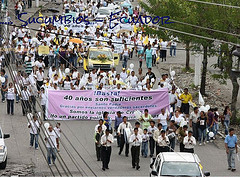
(2, 142)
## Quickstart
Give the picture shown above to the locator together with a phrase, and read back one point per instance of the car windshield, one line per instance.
(94, 54)
(104, 12)
(180, 169)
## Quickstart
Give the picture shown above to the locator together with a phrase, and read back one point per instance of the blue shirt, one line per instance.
(118, 120)
(231, 140)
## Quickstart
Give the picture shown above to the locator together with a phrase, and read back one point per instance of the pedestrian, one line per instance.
(210, 124)
(173, 47)
(137, 125)
(216, 120)
(100, 123)
(145, 139)
(163, 118)
(193, 121)
(4, 82)
(43, 98)
(124, 130)
(140, 57)
(163, 142)
(185, 98)
(40, 78)
(51, 144)
(58, 133)
(182, 132)
(10, 98)
(25, 95)
(151, 129)
(156, 134)
(107, 121)
(145, 119)
(98, 136)
(106, 149)
(202, 125)
(227, 115)
(33, 94)
(172, 100)
(163, 50)
(34, 126)
(125, 55)
(148, 56)
(171, 132)
(231, 149)
(135, 140)
(118, 120)
(189, 142)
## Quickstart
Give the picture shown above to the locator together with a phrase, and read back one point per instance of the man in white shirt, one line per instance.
(133, 80)
(172, 100)
(156, 134)
(106, 142)
(123, 131)
(189, 142)
(34, 131)
(151, 129)
(193, 121)
(163, 142)
(40, 78)
(135, 140)
(51, 144)
(26, 107)
(100, 124)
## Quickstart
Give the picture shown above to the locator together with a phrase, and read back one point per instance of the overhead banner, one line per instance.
(90, 104)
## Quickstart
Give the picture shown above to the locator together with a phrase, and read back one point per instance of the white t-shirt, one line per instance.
(178, 120)
(133, 81)
(34, 127)
(164, 45)
(172, 98)
(163, 118)
(57, 130)
(51, 140)
(40, 76)
(43, 98)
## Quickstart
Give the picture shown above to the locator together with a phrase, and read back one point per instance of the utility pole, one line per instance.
(37, 3)
(197, 69)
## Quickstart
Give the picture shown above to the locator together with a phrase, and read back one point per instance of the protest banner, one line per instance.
(90, 104)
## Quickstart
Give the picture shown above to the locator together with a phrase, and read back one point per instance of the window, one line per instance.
(180, 169)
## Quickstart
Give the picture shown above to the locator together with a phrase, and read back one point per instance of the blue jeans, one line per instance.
(10, 106)
(216, 127)
(125, 59)
(3, 95)
(145, 149)
(226, 124)
(173, 48)
(201, 133)
(75, 61)
(32, 137)
(51, 60)
(56, 61)
(231, 157)
(149, 62)
(164, 127)
(17, 98)
(51, 152)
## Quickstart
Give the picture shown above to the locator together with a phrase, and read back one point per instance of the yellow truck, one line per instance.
(100, 57)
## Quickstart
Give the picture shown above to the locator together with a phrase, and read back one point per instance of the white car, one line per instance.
(3, 150)
(176, 164)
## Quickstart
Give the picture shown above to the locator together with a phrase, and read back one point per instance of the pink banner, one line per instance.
(90, 104)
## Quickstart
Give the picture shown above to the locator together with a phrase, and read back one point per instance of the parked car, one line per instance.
(176, 164)
(3, 150)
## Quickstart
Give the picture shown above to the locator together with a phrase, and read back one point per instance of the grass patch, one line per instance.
(190, 70)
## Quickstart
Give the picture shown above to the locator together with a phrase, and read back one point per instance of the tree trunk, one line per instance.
(234, 97)
(204, 71)
(187, 55)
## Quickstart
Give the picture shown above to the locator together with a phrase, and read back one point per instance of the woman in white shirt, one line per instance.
(10, 98)
(67, 83)
(163, 118)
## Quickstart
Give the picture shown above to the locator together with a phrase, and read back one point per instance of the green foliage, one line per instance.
(190, 70)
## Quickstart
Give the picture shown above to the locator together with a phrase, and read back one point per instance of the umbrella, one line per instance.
(126, 4)
(76, 40)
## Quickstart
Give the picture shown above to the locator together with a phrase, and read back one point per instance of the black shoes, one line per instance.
(103, 169)
(233, 170)
(138, 167)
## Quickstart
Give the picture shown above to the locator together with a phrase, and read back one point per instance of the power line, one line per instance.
(216, 4)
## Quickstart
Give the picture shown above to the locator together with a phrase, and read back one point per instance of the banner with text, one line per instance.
(90, 104)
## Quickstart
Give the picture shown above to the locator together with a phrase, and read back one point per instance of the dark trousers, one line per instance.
(154, 57)
(98, 151)
(163, 148)
(33, 102)
(189, 150)
(39, 84)
(140, 64)
(195, 130)
(106, 154)
(172, 144)
(10, 106)
(135, 152)
(29, 3)
(181, 147)
(157, 150)
(44, 111)
(122, 141)
(26, 107)
(151, 145)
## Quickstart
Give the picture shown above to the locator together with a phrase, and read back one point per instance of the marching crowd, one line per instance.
(148, 134)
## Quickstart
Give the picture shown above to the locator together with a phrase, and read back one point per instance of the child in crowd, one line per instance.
(145, 139)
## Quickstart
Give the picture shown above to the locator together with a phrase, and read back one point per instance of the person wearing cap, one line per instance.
(118, 121)
(106, 149)
(135, 140)
(189, 142)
